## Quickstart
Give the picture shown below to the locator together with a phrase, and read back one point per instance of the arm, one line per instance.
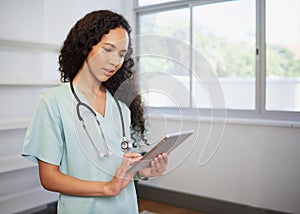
(53, 180)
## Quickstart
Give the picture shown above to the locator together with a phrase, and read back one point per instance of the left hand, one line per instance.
(157, 167)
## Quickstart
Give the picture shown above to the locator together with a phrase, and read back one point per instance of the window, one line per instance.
(283, 55)
(235, 55)
(150, 2)
(168, 61)
(228, 43)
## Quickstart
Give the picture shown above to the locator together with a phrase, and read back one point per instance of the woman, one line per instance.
(90, 173)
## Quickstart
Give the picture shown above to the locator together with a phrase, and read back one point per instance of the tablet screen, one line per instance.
(165, 145)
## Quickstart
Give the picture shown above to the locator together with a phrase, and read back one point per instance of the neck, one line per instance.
(87, 83)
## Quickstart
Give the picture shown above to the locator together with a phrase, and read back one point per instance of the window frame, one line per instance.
(260, 111)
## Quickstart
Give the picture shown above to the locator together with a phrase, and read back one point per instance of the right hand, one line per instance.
(122, 178)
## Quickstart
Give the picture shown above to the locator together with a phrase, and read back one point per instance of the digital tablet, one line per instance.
(165, 145)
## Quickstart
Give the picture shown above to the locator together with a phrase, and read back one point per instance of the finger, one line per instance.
(125, 163)
(155, 167)
(160, 166)
(122, 169)
(163, 160)
(129, 158)
(134, 160)
(165, 157)
(131, 155)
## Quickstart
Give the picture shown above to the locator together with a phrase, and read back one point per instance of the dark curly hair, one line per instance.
(85, 34)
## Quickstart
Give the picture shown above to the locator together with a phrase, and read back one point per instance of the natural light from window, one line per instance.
(283, 55)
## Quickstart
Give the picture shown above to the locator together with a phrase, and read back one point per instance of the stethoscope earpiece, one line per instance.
(109, 153)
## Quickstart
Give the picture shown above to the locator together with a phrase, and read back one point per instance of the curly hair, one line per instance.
(85, 34)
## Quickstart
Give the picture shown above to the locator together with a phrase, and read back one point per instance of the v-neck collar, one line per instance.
(84, 100)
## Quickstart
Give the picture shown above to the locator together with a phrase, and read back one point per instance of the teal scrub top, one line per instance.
(56, 136)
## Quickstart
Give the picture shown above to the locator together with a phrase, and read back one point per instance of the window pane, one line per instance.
(224, 34)
(164, 55)
(150, 2)
(283, 55)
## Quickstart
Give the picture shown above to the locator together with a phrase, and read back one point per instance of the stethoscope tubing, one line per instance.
(125, 142)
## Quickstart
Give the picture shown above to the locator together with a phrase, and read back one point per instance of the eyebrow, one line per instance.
(113, 46)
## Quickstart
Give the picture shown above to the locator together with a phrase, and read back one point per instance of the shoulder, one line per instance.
(59, 92)
(54, 98)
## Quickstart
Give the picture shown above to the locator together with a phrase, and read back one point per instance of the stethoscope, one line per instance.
(125, 145)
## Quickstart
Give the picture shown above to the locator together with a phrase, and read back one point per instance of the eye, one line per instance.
(122, 54)
(108, 50)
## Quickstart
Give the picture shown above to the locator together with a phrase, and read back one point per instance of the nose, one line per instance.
(115, 59)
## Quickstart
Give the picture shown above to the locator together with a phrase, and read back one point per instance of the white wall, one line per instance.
(32, 32)
(60, 16)
(256, 164)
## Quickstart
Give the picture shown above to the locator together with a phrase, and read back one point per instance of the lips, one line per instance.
(108, 72)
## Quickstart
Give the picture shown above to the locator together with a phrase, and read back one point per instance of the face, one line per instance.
(107, 57)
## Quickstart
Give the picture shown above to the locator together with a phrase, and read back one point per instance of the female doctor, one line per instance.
(91, 173)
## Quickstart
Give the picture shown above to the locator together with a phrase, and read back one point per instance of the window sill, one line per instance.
(228, 120)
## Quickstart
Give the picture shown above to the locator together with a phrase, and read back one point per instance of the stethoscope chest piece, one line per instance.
(126, 146)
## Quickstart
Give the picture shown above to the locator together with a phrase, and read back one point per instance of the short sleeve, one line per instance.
(44, 136)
